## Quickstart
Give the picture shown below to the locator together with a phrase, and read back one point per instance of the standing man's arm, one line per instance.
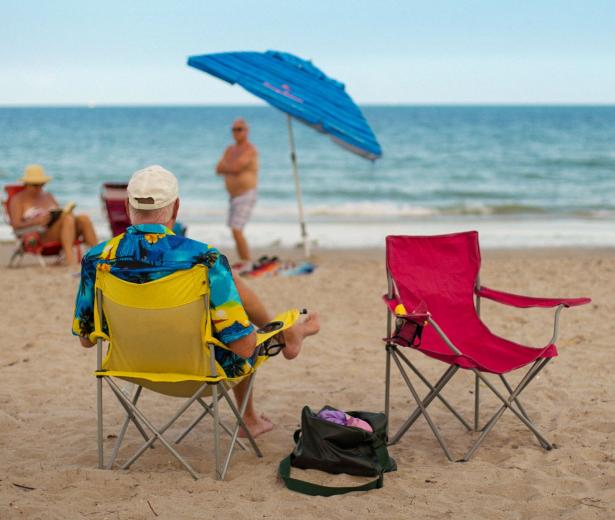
(222, 166)
(233, 165)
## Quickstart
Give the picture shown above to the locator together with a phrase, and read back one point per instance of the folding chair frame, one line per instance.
(511, 402)
(20, 252)
(142, 423)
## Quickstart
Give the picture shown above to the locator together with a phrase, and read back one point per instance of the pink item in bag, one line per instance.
(358, 423)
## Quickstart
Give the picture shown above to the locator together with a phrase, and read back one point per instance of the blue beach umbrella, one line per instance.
(303, 92)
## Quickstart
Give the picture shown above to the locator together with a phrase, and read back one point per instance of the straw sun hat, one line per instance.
(34, 174)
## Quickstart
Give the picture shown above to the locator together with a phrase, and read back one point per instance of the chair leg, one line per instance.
(507, 403)
(387, 386)
(216, 431)
(444, 379)
(17, 254)
(122, 433)
(240, 423)
(207, 410)
(99, 422)
(546, 446)
(131, 416)
(517, 402)
(158, 434)
(431, 387)
(477, 403)
(423, 410)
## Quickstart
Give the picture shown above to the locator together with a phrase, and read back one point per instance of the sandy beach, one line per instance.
(47, 414)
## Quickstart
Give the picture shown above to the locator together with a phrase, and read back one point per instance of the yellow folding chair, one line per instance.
(160, 338)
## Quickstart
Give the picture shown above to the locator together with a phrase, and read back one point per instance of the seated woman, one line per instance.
(35, 207)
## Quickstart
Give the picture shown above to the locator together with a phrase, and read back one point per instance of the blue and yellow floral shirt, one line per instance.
(150, 251)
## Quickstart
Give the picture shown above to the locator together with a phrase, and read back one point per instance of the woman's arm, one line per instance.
(16, 213)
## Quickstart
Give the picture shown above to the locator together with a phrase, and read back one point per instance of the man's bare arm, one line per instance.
(222, 166)
(255, 309)
(245, 346)
(16, 213)
(236, 165)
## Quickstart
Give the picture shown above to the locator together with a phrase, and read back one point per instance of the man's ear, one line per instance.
(175, 209)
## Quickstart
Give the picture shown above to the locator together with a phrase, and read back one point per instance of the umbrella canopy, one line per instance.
(303, 92)
(299, 89)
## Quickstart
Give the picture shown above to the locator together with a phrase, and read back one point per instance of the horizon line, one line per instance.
(92, 105)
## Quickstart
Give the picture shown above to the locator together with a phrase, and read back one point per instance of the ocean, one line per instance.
(521, 175)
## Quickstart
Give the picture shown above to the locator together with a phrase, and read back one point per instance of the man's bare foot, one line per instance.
(295, 336)
(257, 426)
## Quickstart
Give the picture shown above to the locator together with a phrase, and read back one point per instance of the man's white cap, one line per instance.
(152, 187)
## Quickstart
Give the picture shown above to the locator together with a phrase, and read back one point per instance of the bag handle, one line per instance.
(308, 488)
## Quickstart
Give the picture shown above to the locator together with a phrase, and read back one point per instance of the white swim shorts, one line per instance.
(240, 209)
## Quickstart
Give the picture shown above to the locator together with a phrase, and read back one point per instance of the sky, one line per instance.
(77, 52)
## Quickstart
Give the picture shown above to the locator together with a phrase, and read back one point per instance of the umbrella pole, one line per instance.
(293, 159)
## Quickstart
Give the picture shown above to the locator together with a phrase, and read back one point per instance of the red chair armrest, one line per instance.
(517, 300)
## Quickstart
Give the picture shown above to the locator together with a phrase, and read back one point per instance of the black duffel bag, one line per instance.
(335, 448)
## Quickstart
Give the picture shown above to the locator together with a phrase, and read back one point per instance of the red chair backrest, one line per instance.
(441, 271)
(11, 190)
(114, 196)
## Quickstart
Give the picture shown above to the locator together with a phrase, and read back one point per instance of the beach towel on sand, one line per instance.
(273, 266)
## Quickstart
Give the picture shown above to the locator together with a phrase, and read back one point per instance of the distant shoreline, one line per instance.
(496, 233)
(257, 104)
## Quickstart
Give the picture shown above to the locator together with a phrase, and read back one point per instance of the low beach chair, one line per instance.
(29, 239)
(114, 196)
(160, 338)
(433, 282)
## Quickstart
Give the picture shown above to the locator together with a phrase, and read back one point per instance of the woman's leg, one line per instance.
(86, 230)
(68, 234)
(63, 230)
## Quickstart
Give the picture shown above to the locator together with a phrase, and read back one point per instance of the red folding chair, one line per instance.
(114, 197)
(29, 239)
(433, 304)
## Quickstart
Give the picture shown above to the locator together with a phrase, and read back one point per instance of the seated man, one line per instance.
(150, 250)
(35, 207)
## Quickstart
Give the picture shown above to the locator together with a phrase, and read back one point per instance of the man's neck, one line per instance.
(168, 225)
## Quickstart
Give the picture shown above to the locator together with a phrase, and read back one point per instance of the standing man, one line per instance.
(239, 165)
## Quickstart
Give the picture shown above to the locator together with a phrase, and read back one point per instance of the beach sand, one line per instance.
(48, 451)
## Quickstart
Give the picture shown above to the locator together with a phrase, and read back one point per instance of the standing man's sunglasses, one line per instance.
(238, 129)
